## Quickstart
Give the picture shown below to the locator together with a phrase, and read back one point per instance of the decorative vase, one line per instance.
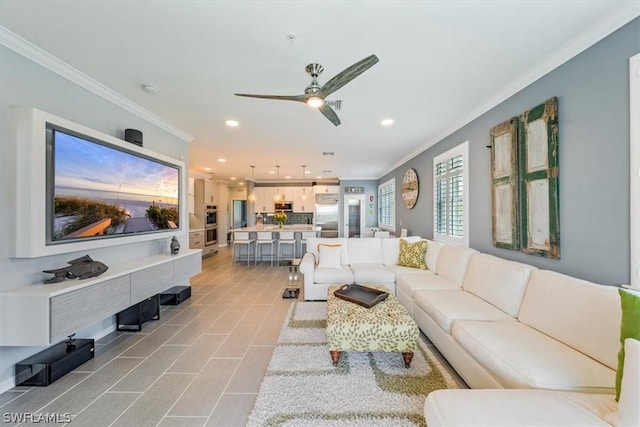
(175, 246)
(279, 225)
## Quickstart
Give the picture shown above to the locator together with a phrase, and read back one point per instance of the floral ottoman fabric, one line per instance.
(384, 327)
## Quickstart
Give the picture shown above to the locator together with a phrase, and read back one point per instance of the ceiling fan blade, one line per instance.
(300, 98)
(329, 114)
(347, 75)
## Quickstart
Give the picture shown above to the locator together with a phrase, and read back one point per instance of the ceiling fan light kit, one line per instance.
(314, 94)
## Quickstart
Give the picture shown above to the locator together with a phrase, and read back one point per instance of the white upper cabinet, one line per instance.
(210, 193)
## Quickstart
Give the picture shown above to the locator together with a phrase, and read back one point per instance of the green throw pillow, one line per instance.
(629, 328)
(412, 254)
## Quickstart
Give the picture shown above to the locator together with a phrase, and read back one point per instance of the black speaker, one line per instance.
(133, 317)
(133, 136)
(54, 362)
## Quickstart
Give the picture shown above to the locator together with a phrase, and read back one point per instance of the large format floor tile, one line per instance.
(200, 364)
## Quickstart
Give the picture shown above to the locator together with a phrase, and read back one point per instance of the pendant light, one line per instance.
(304, 193)
(276, 197)
(252, 196)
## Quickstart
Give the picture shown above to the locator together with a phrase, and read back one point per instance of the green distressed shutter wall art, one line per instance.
(539, 185)
(505, 185)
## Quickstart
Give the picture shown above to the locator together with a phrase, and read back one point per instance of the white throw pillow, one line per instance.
(628, 407)
(329, 256)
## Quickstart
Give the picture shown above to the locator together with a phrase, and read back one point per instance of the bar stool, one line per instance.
(264, 238)
(287, 238)
(242, 238)
(303, 241)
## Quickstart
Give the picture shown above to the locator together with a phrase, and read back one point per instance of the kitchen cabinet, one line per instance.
(301, 204)
(196, 239)
(210, 193)
(328, 189)
(264, 199)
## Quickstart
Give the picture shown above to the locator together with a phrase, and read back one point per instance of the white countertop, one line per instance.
(270, 227)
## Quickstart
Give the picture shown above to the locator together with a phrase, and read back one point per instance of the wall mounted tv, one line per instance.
(54, 157)
(97, 190)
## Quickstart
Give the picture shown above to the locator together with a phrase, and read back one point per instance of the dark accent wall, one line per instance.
(593, 100)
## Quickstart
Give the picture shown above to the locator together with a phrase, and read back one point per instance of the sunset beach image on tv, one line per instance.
(100, 190)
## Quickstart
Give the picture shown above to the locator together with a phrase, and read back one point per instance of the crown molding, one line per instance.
(41, 57)
(622, 15)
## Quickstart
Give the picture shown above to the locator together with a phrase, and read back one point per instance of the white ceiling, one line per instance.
(442, 63)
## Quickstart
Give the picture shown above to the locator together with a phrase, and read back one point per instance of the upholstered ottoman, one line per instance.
(384, 327)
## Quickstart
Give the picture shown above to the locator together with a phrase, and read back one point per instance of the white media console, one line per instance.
(40, 315)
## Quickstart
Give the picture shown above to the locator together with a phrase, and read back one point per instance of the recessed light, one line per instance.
(232, 178)
(232, 123)
(150, 89)
(307, 172)
(272, 172)
(207, 168)
(241, 183)
(386, 122)
(287, 177)
(221, 159)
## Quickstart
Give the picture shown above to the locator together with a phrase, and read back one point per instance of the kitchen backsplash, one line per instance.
(292, 218)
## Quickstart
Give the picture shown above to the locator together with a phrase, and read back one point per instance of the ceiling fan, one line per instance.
(314, 94)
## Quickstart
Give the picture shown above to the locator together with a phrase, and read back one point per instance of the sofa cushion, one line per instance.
(330, 256)
(628, 407)
(581, 314)
(411, 281)
(498, 281)
(433, 250)
(333, 275)
(447, 306)
(521, 357)
(313, 242)
(372, 273)
(413, 254)
(391, 248)
(452, 262)
(629, 328)
(365, 250)
(524, 408)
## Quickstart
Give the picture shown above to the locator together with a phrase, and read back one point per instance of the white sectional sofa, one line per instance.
(541, 407)
(499, 323)
(549, 340)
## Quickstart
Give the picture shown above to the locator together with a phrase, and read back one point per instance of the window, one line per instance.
(387, 205)
(451, 196)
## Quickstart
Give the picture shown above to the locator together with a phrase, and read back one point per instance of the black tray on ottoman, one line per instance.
(361, 295)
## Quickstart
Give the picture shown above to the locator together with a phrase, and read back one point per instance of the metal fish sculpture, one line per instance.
(81, 268)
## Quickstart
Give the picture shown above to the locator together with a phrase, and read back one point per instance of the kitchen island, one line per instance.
(300, 233)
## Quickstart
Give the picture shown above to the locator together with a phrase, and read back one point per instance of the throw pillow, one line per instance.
(412, 254)
(629, 328)
(329, 256)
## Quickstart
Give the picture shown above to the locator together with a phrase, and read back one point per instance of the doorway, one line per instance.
(354, 221)
(239, 214)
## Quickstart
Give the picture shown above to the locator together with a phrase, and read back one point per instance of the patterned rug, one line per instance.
(302, 387)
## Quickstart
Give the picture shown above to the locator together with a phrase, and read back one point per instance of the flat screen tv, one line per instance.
(98, 190)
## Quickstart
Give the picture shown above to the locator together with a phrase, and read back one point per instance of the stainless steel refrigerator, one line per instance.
(326, 214)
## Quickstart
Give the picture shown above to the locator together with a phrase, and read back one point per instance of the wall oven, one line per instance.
(210, 216)
(211, 236)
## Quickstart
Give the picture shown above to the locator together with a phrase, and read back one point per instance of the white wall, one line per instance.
(24, 83)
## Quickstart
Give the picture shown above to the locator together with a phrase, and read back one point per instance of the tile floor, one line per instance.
(201, 364)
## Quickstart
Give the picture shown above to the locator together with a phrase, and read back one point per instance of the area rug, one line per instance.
(302, 387)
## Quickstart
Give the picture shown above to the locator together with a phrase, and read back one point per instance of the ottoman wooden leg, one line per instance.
(335, 357)
(408, 357)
